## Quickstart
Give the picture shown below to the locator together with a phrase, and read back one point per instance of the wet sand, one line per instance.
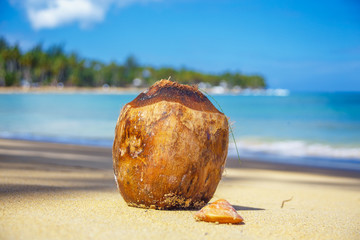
(54, 191)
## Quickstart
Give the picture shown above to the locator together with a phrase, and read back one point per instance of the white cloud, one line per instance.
(55, 13)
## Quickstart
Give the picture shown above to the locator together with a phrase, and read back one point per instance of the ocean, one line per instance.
(314, 129)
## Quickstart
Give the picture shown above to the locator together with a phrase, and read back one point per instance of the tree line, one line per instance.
(53, 66)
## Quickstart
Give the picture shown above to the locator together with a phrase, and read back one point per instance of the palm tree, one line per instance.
(58, 69)
(11, 56)
(27, 64)
(3, 46)
(43, 67)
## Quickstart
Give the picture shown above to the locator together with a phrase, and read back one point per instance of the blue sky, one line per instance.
(299, 45)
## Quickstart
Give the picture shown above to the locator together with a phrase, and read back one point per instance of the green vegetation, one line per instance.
(52, 66)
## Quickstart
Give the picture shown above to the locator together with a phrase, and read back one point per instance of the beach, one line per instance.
(58, 191)
(70, 90)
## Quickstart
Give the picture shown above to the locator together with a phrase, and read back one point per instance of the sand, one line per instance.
(70, 90)
(53, 191)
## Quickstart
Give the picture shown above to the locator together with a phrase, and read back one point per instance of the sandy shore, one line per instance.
(69, 90)
(53, 191)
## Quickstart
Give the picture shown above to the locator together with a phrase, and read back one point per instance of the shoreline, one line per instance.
(215, 90)
(291, 168)
(305, 163)
(231, 162)
(70, 90)
(65, 191)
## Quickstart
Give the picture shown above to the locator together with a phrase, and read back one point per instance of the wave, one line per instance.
(298, 152)
(57, 139)
(299, 149)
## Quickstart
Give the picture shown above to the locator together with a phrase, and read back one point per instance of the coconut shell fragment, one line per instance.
(219, 211)
(170, 148)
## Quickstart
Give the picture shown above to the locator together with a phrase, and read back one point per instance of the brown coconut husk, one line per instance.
(170, 148)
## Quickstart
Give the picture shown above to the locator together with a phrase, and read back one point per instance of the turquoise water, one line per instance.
(302, 128)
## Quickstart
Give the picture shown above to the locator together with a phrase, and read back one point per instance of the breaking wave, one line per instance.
(299, 152)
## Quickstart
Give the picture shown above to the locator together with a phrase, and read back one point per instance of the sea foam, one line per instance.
(299, 149)
(298, 152)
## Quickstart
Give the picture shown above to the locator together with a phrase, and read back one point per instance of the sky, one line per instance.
(299, 45)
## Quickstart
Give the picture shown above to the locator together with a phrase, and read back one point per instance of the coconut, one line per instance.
(170, 148)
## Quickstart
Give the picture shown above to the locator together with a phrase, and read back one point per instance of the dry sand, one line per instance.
(53, 191)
